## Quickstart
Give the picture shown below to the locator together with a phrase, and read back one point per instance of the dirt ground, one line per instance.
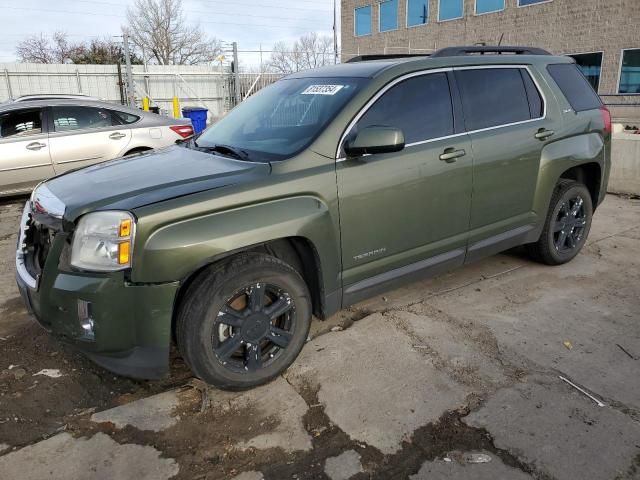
(453, 377)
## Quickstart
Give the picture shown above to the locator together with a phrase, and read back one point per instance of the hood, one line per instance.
(128, 183)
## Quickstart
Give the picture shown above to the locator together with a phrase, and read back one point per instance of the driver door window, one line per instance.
(419, 106)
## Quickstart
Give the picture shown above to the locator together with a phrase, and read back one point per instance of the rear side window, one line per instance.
(574, 86)
(419, 106)
(68, 118)
(125, 118)
(493, 97)
(21, 123)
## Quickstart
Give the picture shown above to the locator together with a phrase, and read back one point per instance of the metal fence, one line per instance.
(194, 85)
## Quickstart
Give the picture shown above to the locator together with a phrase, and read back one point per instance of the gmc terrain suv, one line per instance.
(323, 189)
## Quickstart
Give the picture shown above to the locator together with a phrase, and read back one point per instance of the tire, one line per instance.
(257, 304)
(569, 216)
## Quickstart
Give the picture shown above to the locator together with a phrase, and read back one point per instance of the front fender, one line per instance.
(174, 251)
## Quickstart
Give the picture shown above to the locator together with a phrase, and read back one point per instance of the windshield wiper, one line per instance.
(227, 151)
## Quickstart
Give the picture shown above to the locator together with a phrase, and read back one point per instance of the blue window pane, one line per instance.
(417, 12)
(630, 74)
(450, 9)
(363, 20)
(486, 6)
(590, 64)
(389, 15)
(522, 3)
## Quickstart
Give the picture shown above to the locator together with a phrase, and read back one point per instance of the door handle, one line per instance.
(543, 134)
(451, 154)
(36, 146)
(117, 136)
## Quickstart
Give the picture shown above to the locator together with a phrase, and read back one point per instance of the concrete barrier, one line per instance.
(625, 164)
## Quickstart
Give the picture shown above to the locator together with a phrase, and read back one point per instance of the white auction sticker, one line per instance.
(322, 89)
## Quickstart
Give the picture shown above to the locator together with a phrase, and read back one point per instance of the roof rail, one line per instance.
(487, 50)
(380, 56)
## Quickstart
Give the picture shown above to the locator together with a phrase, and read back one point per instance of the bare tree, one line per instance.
(158, 28)
(42, 49)
(309, 51)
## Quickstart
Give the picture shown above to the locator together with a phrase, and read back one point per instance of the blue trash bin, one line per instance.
(198, 116)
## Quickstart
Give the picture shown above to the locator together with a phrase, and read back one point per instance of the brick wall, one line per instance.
(560, 26)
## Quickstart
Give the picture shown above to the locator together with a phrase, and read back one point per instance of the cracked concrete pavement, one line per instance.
(416, 383)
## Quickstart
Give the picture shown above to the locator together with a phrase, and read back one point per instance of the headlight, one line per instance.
(102, 241)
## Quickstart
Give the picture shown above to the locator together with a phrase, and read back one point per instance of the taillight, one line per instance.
(183, 130)
(606, 118)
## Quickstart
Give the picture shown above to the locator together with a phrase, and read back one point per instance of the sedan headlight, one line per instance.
(102, 241)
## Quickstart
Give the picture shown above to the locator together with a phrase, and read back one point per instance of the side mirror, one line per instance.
(375, 139)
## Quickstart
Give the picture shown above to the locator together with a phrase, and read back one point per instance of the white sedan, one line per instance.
(43, 138)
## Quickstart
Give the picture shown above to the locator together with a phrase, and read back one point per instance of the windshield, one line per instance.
(281, 119)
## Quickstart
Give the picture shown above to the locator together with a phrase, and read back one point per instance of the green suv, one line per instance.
(321, 190)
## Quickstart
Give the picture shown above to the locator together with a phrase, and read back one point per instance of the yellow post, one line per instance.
(176, 108)
(145, 104)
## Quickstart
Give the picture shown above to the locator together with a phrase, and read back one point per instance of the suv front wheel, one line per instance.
(244, 321)
(567, 224)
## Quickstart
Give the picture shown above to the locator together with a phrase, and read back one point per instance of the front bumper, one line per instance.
(131, 332)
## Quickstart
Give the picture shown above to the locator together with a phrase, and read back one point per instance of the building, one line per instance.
(602, 35)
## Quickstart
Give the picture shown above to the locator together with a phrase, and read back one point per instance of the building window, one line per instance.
(388, 15)
(450, 10)
(590, 64)
(489, 6)
(630, 71)
(525, 3)
(417, 12)
(362, 21)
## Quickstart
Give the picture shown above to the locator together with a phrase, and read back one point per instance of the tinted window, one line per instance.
(420, 107)
(417, 12)
(388, 15)
(630, 72)
(492, 97)
(590, 64)
(536, 105)
(20, 123)
(68, 118)
(488, 6)
(362, 21)
(574, 86)
(450, 9)
(126, 118)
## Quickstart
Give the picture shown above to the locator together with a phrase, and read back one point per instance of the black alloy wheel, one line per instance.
(254, 327)
(566, 226)
(243, 321)
(569, 224)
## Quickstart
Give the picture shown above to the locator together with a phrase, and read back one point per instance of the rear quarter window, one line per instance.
(574, 86)
(125, 118)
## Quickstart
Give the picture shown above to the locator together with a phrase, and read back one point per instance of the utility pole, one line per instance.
(335, 34)
(236, 75)
(131, 93)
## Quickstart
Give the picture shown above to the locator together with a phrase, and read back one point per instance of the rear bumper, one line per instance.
(131, 332)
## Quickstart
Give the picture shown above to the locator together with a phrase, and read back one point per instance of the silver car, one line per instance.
(43, 138)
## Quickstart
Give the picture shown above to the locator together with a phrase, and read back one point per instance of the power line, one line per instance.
(68, 12)
(251, 5)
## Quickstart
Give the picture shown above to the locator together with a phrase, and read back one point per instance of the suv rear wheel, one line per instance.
(567, 224)
(244, 321)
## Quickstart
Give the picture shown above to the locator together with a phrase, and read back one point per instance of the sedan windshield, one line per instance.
(282, 119)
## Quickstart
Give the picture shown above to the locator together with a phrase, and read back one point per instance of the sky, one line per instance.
(250, 23)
